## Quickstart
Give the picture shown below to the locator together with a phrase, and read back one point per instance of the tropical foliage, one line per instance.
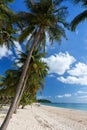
(45, 15)
(83, 2)
(80, 17)
(42, 17)
(7, 30)
(36, 74)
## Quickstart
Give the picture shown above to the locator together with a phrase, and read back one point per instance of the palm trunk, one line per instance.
(20, 96)
(19, 86)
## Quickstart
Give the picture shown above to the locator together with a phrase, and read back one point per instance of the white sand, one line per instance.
(46, 118)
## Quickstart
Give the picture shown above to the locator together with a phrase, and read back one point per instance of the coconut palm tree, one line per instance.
(35, 81)
(7, 30)
(80, 17)
(44, 16)
(36, 74)
(8, 82)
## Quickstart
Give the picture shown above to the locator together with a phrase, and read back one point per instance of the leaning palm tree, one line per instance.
(36, 74)
(44, 16)
(80, 17)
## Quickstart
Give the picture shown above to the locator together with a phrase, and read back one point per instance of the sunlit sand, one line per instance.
(46, 118)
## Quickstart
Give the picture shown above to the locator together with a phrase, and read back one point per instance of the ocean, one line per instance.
(76, 106)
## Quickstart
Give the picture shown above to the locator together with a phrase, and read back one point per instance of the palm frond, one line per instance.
(29, 3)
(84, 2)
(57, 2)
(25, 33)
(79, 18)
(57, 34)
(5, 2)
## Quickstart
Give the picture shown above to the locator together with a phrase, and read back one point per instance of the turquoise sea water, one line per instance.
(77, 106)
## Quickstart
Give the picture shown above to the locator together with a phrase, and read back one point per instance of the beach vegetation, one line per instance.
(36, 74)
(7, 30)
(44, 101)
(41, 18)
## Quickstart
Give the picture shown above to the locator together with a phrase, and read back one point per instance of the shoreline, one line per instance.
(78, 109)
(46, 118)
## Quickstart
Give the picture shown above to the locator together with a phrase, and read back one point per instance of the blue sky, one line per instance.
(67, 78)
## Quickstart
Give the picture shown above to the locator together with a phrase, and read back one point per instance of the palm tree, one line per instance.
(8, 82)
(80, 17)
(36, 74)
(7, 30)
(44, 16)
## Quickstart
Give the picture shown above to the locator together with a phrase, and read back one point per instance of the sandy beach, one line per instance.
(46, 118)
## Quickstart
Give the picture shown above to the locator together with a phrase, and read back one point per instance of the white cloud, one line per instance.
(59, 63)
(80, 69)
(81, 92)
(65, 95)
(59, 96)
(51, 75)
(77, 75)
(18, 64)
(17, 47)
(73, 80)
(83, 97)
(69, 79)
(4, 52)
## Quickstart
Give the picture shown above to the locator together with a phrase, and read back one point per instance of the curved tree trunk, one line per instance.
(21, 93)
(19, 86)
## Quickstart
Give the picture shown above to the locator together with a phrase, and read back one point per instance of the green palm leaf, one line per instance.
(81, 17)
(25, 33)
